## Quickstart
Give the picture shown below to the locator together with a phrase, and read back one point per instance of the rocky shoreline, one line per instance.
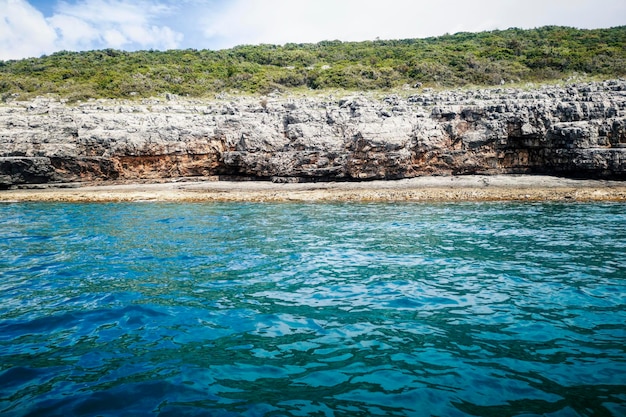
(422, 189)
(576, 131)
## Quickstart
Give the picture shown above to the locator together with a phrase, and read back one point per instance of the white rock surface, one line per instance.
(577, 130)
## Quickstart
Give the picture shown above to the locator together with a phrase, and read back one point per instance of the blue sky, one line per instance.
(30, 28)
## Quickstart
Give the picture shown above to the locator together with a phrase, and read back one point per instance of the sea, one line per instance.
(325, 309)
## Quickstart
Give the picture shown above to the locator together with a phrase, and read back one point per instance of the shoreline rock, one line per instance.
(526, 188)
(576, 131)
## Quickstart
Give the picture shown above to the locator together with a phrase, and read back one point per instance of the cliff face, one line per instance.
(579, 130)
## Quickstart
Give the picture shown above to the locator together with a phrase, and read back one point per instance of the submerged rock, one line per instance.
(578, 131)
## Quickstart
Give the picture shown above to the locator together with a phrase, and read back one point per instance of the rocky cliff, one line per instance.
(578, 130)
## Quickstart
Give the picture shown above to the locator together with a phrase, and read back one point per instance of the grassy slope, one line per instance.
(486, 58)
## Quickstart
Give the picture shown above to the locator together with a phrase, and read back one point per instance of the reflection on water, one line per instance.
(327, 309)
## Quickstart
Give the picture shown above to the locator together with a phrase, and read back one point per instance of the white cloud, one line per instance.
(86, 24)
(118, 23)
(281, 21)
(23, 31)
(72, 32)
(160, 24)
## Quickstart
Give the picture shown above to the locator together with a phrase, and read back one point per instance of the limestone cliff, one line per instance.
(578, 130)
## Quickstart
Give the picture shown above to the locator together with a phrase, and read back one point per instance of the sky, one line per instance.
(31, 28)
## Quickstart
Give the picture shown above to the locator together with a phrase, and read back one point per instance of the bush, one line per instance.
(484, 58)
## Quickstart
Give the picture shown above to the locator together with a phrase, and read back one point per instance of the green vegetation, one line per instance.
(537, 55)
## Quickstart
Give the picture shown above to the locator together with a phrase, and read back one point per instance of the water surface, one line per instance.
(494, 309)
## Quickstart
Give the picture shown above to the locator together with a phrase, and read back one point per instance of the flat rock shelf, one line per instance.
(451, 188)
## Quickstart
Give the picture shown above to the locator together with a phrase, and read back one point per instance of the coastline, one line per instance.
(424, 189)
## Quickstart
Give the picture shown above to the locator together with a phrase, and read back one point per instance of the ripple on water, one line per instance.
(297, 309)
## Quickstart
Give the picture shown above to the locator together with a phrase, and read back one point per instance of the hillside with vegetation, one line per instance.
(487, 58)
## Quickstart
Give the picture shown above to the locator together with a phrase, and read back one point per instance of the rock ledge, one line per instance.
(577, 131)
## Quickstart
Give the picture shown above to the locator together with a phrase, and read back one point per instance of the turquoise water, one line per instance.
(329, 309)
